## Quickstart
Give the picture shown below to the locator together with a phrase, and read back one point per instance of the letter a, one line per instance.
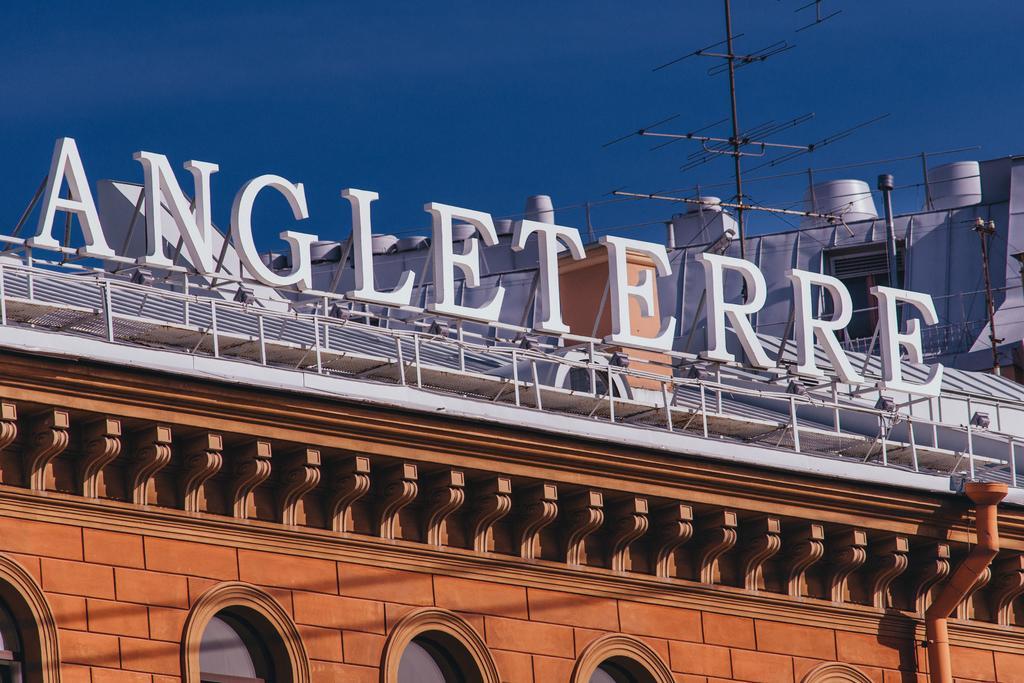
(67, 164)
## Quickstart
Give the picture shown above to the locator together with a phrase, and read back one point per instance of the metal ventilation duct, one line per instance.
(462, 231)
(954, 185)
(504, 226)
(383, 244)
(539, 208)
(850, 199)
(413, 243)
(702, 223)
(325, 251)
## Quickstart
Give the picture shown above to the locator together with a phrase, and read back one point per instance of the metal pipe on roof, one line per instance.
(886, 184)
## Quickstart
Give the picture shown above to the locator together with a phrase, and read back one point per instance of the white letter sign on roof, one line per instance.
(66, 163)
(549, 301)
(648, 261)
(809, 328)
(241, 230)
(362, 254)
(715, 266)
(196, 229)
(891, 339)
(642, 291)
(446, 261)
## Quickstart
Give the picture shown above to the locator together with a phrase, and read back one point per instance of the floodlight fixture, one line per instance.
(885, 403)
(980, 420)
(244, 295)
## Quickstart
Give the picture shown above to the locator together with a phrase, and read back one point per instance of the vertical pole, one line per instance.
(536, 384)
(735, 141)
(793, 423)
(213, 327)
(611, 396)
(718, 394)
(263, 341)
(886, 185)
(883, 435)
(668, 406)
(703, 410)
(986, 230)
(1013, 463)
(970, 450)
(401, 359)
(108, 311)
(515, 376)
(970, 438)
(3, 298)
(31, 279)
(316, 344)
(913, 444)
(835, 408)
(462, 349)
(593, 368)
(927, 186)
(184, 289)
(416, 359)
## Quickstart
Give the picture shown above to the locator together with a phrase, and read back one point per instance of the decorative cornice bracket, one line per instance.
(301, 474)
(398, 488)
(8, 424)
(807, 549)
(673, 527)
(965, 610)
(847, 556)
(1007, 586)
(152, 453)
(350, 481)
(48, 437)
(931, 566)
(584, 516)
(539, 509)
(717, 537)
(250, 467)
(491, 504)
(888, 560)
(446, 491)
(761, 540)
(203, 460)
(628, 523)
(101, 444)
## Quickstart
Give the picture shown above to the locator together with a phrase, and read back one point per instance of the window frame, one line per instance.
(440, 629)
(287, 657)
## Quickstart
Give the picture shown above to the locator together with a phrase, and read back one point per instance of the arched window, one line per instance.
(236, 633)
(426, 662)
(617, 658)
(29, 651)
(610, 672)
(833, 672)
(231, 652)
(435, 646)
(620, 670)
(10, 648)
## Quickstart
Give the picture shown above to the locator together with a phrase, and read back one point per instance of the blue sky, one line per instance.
(481, 104)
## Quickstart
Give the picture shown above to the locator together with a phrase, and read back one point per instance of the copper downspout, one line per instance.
(986, 499)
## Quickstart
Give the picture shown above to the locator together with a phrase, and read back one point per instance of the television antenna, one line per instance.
(752, 142)
(818, 18)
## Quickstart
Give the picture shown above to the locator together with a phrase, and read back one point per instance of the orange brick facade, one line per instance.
(121, 578)
(121, 599)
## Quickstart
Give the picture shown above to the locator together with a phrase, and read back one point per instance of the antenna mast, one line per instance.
(735, 141)
(752, 142)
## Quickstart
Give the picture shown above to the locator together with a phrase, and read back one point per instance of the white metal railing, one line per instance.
(360, 343)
